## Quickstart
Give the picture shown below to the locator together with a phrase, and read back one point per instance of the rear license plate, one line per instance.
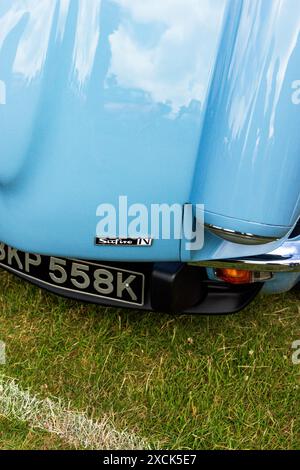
(91, 278)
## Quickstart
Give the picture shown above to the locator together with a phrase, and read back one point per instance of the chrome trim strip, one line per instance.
(239, 237)
(285, 259)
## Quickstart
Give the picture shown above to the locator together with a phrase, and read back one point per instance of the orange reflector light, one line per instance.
(235, 276)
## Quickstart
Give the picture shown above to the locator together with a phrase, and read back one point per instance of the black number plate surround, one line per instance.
(71, 275)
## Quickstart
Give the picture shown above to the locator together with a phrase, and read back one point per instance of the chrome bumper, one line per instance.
(284, 259)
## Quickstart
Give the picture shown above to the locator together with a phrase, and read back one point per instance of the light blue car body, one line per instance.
(164, 101)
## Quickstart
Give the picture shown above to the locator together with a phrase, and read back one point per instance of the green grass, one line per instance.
(179, 382)
(16, 435)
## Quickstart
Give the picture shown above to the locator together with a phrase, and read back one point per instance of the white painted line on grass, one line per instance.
(53, 416)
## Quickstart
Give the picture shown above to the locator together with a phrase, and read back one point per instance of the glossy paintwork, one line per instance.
(248, 169)
(103, 98)
(281, 283)
(106, 98)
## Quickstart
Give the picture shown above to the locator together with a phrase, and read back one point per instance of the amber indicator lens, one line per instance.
(235, 276)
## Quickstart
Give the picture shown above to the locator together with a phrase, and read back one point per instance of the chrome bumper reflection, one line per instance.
(239, 237)
(284, 259)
